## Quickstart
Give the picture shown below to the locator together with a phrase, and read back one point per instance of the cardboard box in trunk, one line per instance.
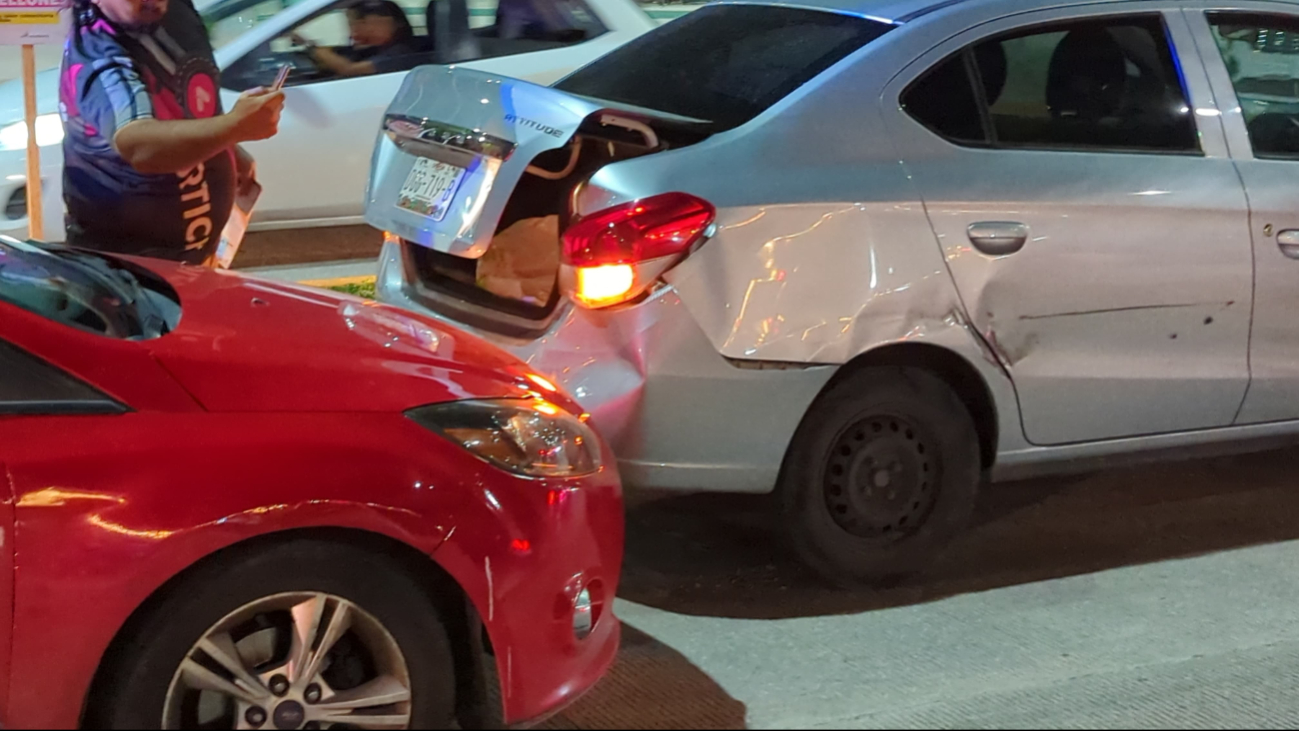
(523, 261)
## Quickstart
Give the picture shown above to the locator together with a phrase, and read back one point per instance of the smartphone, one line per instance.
(281, 77)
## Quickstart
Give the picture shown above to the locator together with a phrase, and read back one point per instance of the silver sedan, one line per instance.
(874, 254)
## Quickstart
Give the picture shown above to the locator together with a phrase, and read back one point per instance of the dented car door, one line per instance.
(1091, 219)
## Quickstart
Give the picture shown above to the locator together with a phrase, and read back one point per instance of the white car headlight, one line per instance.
(528, 437)
(49, 131)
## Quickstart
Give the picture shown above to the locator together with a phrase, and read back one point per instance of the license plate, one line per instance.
(430, 187)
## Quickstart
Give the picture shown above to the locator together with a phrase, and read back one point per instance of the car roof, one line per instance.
(897, 11)
(894, 11)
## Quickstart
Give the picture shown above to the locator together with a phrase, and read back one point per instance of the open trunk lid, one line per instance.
(455, 143)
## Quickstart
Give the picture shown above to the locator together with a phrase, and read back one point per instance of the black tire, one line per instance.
(135, 684)
(883, 472)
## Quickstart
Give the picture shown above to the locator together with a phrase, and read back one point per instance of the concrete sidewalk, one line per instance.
(327, 274)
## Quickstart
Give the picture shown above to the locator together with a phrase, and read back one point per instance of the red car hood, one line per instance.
(248, 344)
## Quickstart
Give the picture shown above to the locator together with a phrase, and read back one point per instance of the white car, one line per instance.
(314, 172)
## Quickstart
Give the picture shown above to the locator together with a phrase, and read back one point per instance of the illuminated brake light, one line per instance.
(614, 255)
(602, 285)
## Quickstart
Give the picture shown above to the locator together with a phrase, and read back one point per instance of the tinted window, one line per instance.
(1110, 84)
(29, 385)
(1106, 84)
(724, 63)
(944, 101)
(1262, 56)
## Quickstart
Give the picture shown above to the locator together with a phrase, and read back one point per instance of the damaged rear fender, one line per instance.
(829, 284)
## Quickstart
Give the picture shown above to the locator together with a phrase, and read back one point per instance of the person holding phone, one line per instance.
(152, 162)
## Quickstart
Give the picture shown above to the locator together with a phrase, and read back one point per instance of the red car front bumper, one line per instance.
(523, 555)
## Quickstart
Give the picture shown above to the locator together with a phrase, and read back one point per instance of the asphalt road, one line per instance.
(1158, 597)
(1163, 597)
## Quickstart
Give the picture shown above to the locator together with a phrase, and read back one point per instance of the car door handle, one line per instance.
(998, 238)
(1288, 243)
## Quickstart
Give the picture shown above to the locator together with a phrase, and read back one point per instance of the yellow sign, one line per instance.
(38, 17)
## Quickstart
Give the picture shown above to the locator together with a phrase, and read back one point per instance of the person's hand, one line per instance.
(245, 168)
(301, 40)
(256, 115)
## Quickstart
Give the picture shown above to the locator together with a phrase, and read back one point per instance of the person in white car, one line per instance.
(381, 39)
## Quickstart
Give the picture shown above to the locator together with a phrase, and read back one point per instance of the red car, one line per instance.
(231, 503)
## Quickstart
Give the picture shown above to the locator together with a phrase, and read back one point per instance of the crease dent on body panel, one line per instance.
(772, 273)
(914, 312)
(1013, 336)
(987, 347)
(608, 375)
(1112, 310)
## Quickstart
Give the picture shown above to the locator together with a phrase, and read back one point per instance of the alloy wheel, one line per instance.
(292, 661)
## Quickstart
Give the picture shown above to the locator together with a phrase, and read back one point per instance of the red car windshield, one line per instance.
(83, 290)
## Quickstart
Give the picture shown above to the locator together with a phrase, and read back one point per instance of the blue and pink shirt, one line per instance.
(113, 76)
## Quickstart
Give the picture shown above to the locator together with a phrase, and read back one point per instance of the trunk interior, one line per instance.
(518, 275)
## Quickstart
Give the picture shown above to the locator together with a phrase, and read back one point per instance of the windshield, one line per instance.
(226, 20)
(85, 291)
(724, 63)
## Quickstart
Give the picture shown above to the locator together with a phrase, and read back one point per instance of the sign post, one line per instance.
(29, 23)
(35, 214)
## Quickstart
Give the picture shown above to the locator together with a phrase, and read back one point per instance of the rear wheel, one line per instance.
(305, 634)
(881, 475)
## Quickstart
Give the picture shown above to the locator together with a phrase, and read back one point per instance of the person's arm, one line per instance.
(154, 146)
(117, 104)
(330, 59)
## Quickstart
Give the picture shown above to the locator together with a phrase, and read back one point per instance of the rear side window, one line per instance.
(944, 101)
(1261, 52)
(724, 63)
(1108, 84)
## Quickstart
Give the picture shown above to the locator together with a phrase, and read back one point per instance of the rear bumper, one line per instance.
(678, 415)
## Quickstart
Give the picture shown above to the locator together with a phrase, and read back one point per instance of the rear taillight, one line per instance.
(614, 255)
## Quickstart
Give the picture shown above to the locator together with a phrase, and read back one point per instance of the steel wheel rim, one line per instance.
(292, 660)
(881, 478)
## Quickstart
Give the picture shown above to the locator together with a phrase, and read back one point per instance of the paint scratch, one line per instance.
(1115, 309)
(491, 591)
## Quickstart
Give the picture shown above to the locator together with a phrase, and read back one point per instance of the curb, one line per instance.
(336, 281)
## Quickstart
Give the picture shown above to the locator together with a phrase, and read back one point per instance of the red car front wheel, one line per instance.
(304, 634)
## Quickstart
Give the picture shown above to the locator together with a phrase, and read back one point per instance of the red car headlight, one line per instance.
(529, 437)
